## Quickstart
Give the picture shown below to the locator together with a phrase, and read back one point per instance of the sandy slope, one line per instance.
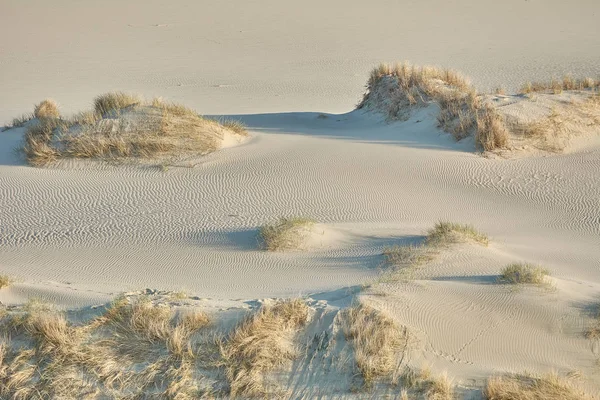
(78, 233)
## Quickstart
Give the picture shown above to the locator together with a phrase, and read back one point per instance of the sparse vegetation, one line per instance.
(46, 109)
(5, 281)
(136, 348)
(565, 120)
(376, 340)
(285, 234)
(403, 259)
(446, 233)
(522, 273)
(491, 132)
(114, 102)
(593, 333)
(235, 126)
(557, 86)
(530, 387)
(260, 343)
(423, 382)
(19, 122)
(395, 90)
(124, 126)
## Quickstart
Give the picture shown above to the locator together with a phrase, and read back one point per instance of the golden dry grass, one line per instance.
(376, 340)
(523, 273)
(285, 234)
(47, 108)
(261, 343)
(557, 86)
(530, 387)
(395, 90)
(445, 233)
(135, 349)
(123, 127)
(5, 281)
(549, 134)
(422, 383)
(114, 102)
(491, 132)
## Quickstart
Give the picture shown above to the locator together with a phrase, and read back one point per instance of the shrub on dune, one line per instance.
(406, 258)
(114, 102)
(5, 281)
(395, 90)
(124, 126)
(285, 234)
(445, 233)
(491, 132)
(261, 343)
(46, 109)
(375, 339)
(523, 273)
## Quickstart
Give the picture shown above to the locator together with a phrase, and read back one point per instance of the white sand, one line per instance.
(79, 233)
(269, 56)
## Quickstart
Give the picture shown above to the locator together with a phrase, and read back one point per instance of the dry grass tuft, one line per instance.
(529, 387)
(261, 343)
(556, 86)
(5, 281)
(491, 132)
(235, 126)
(135, 350)
(285, 234)
(46, 109)
(522, 273)
(114, 102)
(376, 340)
(404, 259)
(395, 90)
(550, 133)
(121, 127)
(446, 233)
(19, 122)
(431, 387)
(440, 388)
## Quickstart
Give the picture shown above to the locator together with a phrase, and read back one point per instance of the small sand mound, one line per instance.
(123, 126)
(544, 116)
(286, 234)
(397, 90)
(550, 121)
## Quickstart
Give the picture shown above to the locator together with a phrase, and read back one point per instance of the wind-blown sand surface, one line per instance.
(78, 233)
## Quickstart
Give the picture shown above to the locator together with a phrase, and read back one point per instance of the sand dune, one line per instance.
(77, 233)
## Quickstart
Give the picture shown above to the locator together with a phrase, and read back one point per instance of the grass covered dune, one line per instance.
(122, 126)
(571, 105)
(164, 345)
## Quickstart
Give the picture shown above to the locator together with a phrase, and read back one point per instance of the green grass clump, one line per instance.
(285, 234)
(523, 273)
(403, 258)
(446, 233)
